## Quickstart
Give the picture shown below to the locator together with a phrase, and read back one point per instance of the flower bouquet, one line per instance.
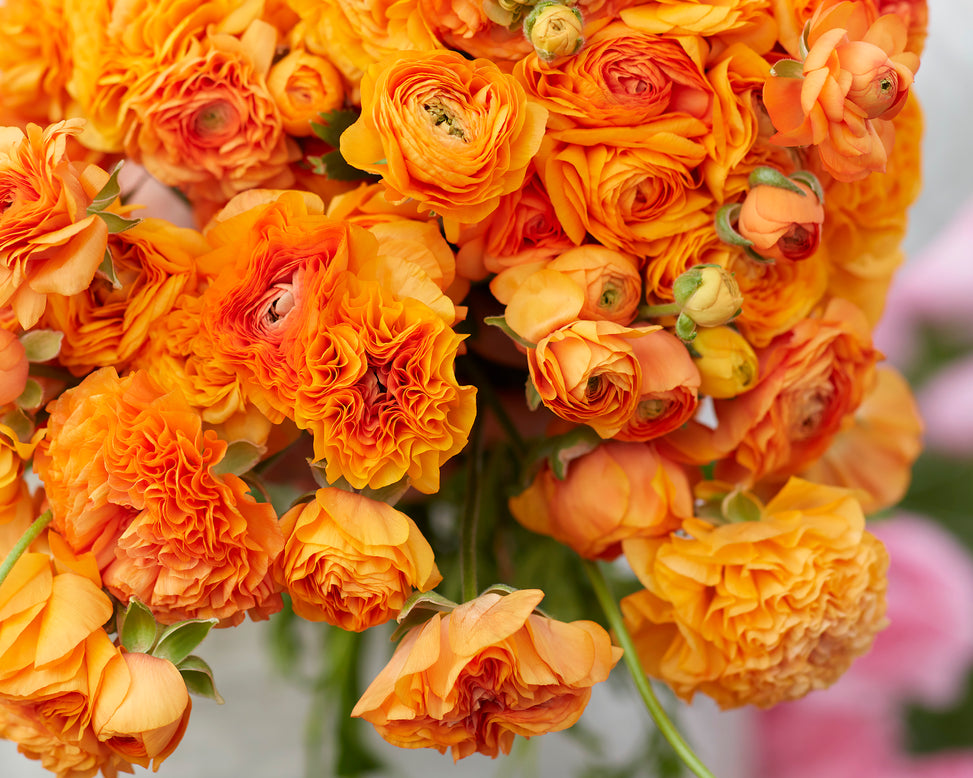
(480, 297)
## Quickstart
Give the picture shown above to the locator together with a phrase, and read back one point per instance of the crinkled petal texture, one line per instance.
(472, 679)
(453, 134)
(129, 475)
(760, 612)
(352, 561)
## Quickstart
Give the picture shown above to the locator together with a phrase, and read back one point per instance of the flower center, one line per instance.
(215, 121)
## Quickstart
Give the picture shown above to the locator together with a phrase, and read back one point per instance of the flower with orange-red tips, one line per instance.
(472, 679)
(48, 243)
(454, 134)
(352, 561)
(760, 611)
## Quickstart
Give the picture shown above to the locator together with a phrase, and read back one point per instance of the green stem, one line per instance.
(23, 544)
(485, 390)
(652, 704)
(471, 515)
(655, 311)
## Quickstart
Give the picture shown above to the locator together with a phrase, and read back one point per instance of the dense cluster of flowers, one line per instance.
(675, 220)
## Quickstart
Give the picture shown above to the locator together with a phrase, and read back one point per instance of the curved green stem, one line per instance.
(655, 311)
(652, 704)
(471, 515)
(23, 544)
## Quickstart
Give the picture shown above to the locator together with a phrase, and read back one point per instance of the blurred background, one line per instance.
(903, 712)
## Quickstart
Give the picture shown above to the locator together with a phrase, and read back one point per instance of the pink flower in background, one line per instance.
(946, 406)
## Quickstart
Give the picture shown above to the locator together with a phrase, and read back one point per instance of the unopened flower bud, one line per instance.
(708, 295)
(554, 30)
(726, 362)
(783, 220)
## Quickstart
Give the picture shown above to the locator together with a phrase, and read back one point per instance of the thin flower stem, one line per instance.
(652, 704)
(485, 390)
(23, 544)
(655, 311)
(471, 514)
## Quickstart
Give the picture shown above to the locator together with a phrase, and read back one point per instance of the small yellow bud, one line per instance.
(554, 30)
(726, 362)
(708, 295)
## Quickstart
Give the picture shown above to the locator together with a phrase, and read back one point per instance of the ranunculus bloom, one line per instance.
(472, 679)
(610, 279)
(758, 612)
(352, 561)
(129, 475)
(106, 327)
(207, 123)
(855, 78)
(13, 367)
(780, 223)
(142, 708)
(18, 506)
(708, 294)
(453, 134)
(587, 372)
(304, 85)
(727, 364)
(616, 492)
(48, 244)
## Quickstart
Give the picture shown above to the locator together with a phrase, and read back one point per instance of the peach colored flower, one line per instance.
(759, 612)
(304, 85)
(616, 492)
(352, 561)
(780, 223)
(455, 135)
(48, 244)
(472, 679)
(13, 367)
(129, 475)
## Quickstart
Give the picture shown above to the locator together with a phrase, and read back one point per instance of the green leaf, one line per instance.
(178, 641)
(41, 345)
(337, 168)
(139, 629)
(811, 180)
(769, 176)
(116, 223)
(108, 193)
(107, 269)
(534, 400)
(32, 396)
(333, 123)
(240, 457)
(788, 68)
(199, 678)
(501, 323)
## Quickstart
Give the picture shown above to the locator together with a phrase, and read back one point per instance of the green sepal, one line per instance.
(333, 123)
(41, 345)
(178, 641)
(770, 176)
(107, 269)
(32, 396)
(561, 450)
(116, 223)
(332, 164)
(740, 506)
(138, 629)
(418, 609)
(685, 328)
(108, 194)
(336, 168)
(725, 231)
(803, 43)
(240, 457)
(199, 678)
(758, 257)
(811, 181)
(534, 399)
(501, 323)
(503, 590)
(20, 423)
(788, 68)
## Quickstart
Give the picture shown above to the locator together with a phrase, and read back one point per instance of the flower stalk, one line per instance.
(29, 536)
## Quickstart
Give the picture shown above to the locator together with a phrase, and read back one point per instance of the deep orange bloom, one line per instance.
(472, 679)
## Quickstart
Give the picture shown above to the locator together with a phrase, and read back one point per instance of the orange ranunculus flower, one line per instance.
(304, 85)
(616, 492)
(726, 362)
(760, 612)
(855, 78)
(668, 394)
(48, 244)
(464, 25)
(18, 506)
(877, 445)
(610, 280)
(129, 475)
(811, 378)
(737, 19)
(206, 123)
(472, 679)
(352, 561)
(404, 414)
(141, 709)
(453, 134)
(588, 372)
(104, 326)
(780, 223)
(13, 367)
(915, 13)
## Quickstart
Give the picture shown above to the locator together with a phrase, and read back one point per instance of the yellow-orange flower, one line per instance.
(48, 244)
(304, 85)
(18, 506)
(129, 475)
(352, 561)
(759, 612)
(106, 327)
(727, 364)
(472, 679)
(453, 134)
(616, 492)
(13, 367)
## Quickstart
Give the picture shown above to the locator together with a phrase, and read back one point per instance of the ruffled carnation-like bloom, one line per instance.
(640, 493)
(129, 475)
(352, 561)
(48, 244)
(759, 612)
(453, 134)
(472, 679)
